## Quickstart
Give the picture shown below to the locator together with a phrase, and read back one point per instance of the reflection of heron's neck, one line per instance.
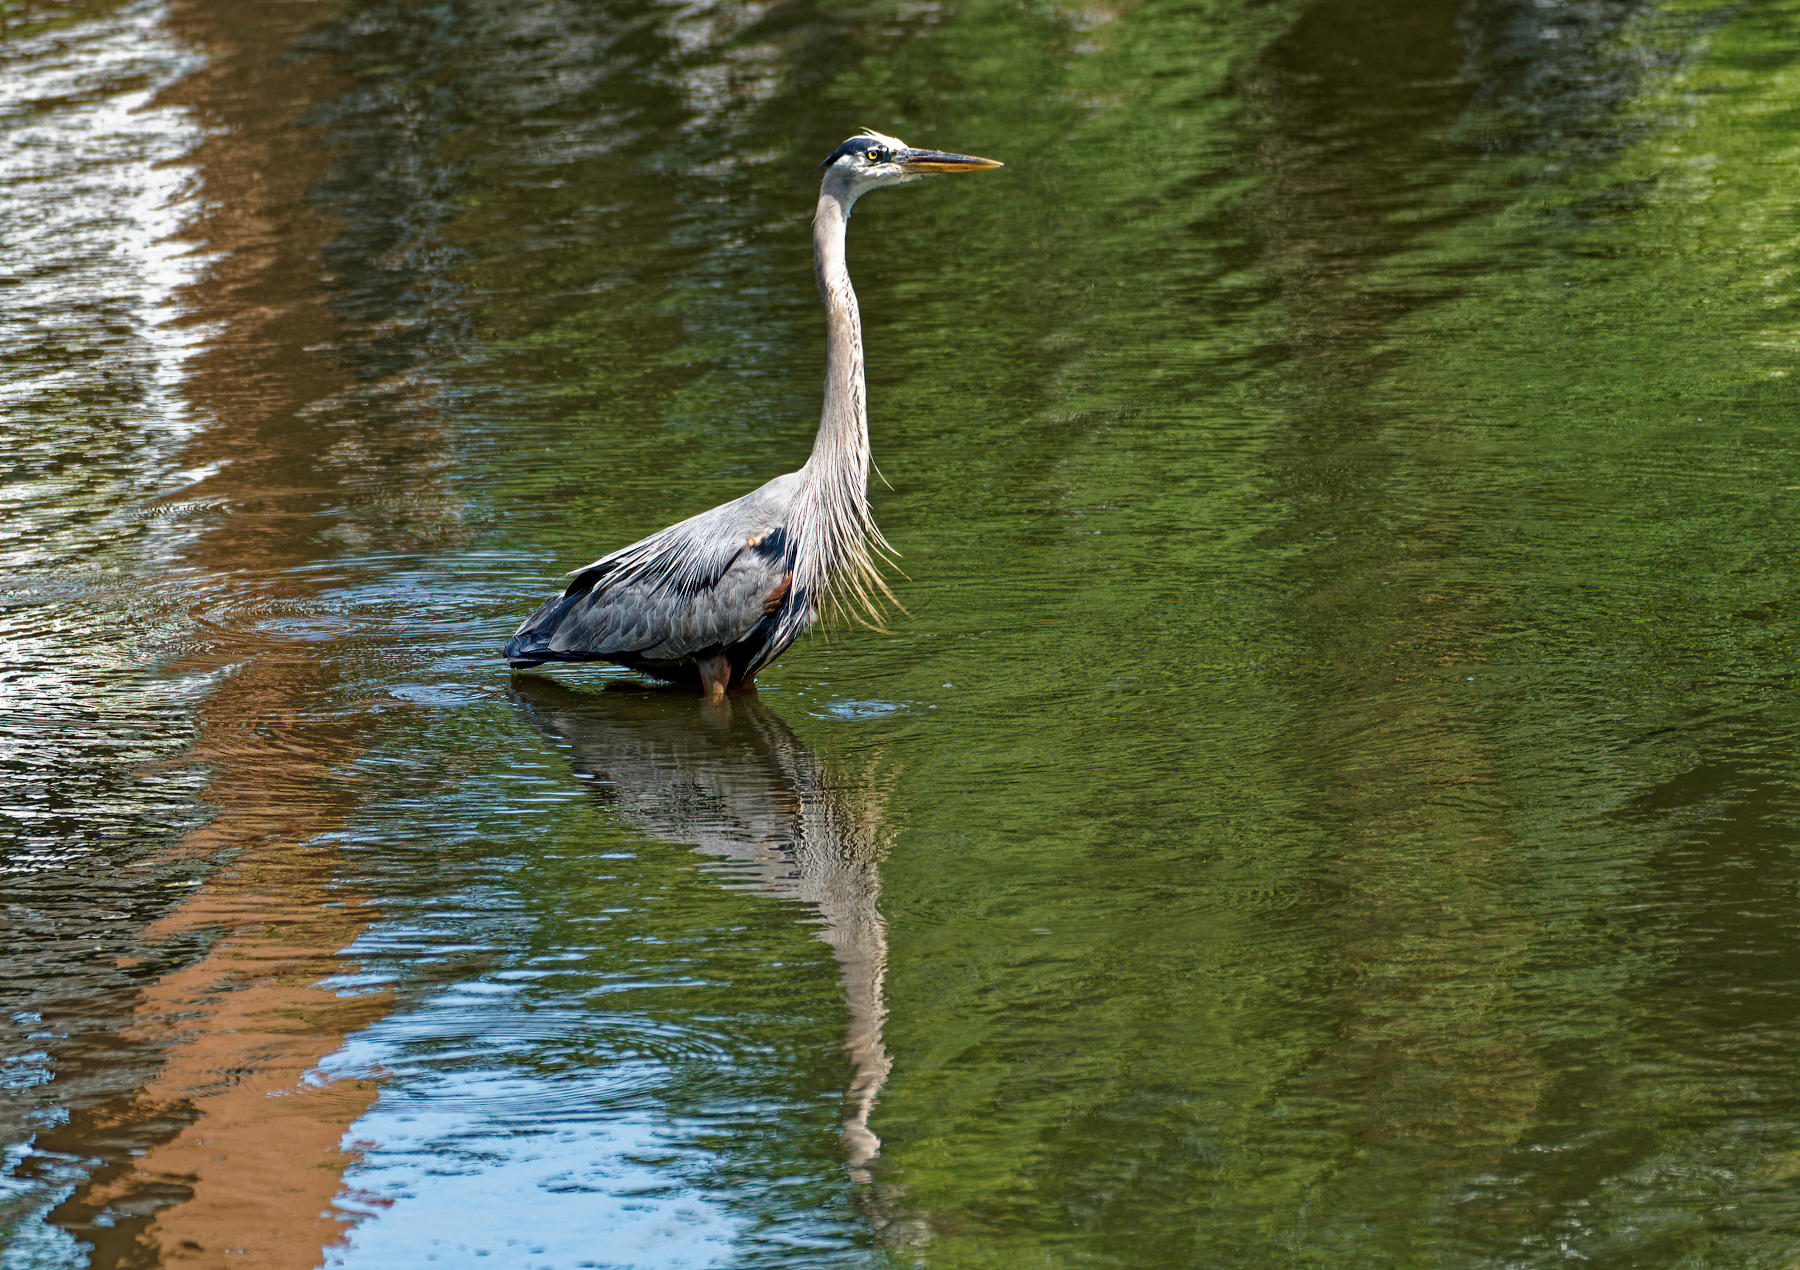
(858, 939)
(745, 790)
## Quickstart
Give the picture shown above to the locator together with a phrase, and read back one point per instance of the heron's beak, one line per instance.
(931, 162)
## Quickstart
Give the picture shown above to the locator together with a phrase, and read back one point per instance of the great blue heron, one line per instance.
(719, 596)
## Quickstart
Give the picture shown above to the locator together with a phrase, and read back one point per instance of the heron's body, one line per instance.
(718, 585)
(719, 596)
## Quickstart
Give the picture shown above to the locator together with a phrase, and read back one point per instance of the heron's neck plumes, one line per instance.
(838, 536)
(844, 425)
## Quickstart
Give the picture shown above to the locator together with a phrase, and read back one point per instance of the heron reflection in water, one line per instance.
(719, 596)
(735, 783)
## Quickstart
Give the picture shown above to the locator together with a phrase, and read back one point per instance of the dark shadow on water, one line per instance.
(732, 780)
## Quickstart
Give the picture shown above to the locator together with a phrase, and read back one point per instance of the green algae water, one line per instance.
(1330, 799)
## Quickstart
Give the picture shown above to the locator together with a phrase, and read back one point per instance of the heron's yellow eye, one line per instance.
(878, 156)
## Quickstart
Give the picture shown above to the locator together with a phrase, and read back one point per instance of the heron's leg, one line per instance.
(715, 675)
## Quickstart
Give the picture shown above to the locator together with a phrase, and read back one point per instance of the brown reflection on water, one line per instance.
(246, 1162)
(253, 1172)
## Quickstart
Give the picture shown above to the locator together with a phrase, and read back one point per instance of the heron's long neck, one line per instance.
(837, 538)
(841, 450)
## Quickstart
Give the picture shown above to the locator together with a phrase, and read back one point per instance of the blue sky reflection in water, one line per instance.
(1331, 803)
(557, 1177)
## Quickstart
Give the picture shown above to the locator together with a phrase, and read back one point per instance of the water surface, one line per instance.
(1330, 800)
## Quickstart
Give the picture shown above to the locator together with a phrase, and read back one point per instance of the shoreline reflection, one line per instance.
(731, 780)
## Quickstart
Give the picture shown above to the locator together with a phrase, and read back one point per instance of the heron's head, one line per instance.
(871, 160)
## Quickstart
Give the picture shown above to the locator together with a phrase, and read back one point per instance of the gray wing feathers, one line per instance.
(658, 620)
(694, 586)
